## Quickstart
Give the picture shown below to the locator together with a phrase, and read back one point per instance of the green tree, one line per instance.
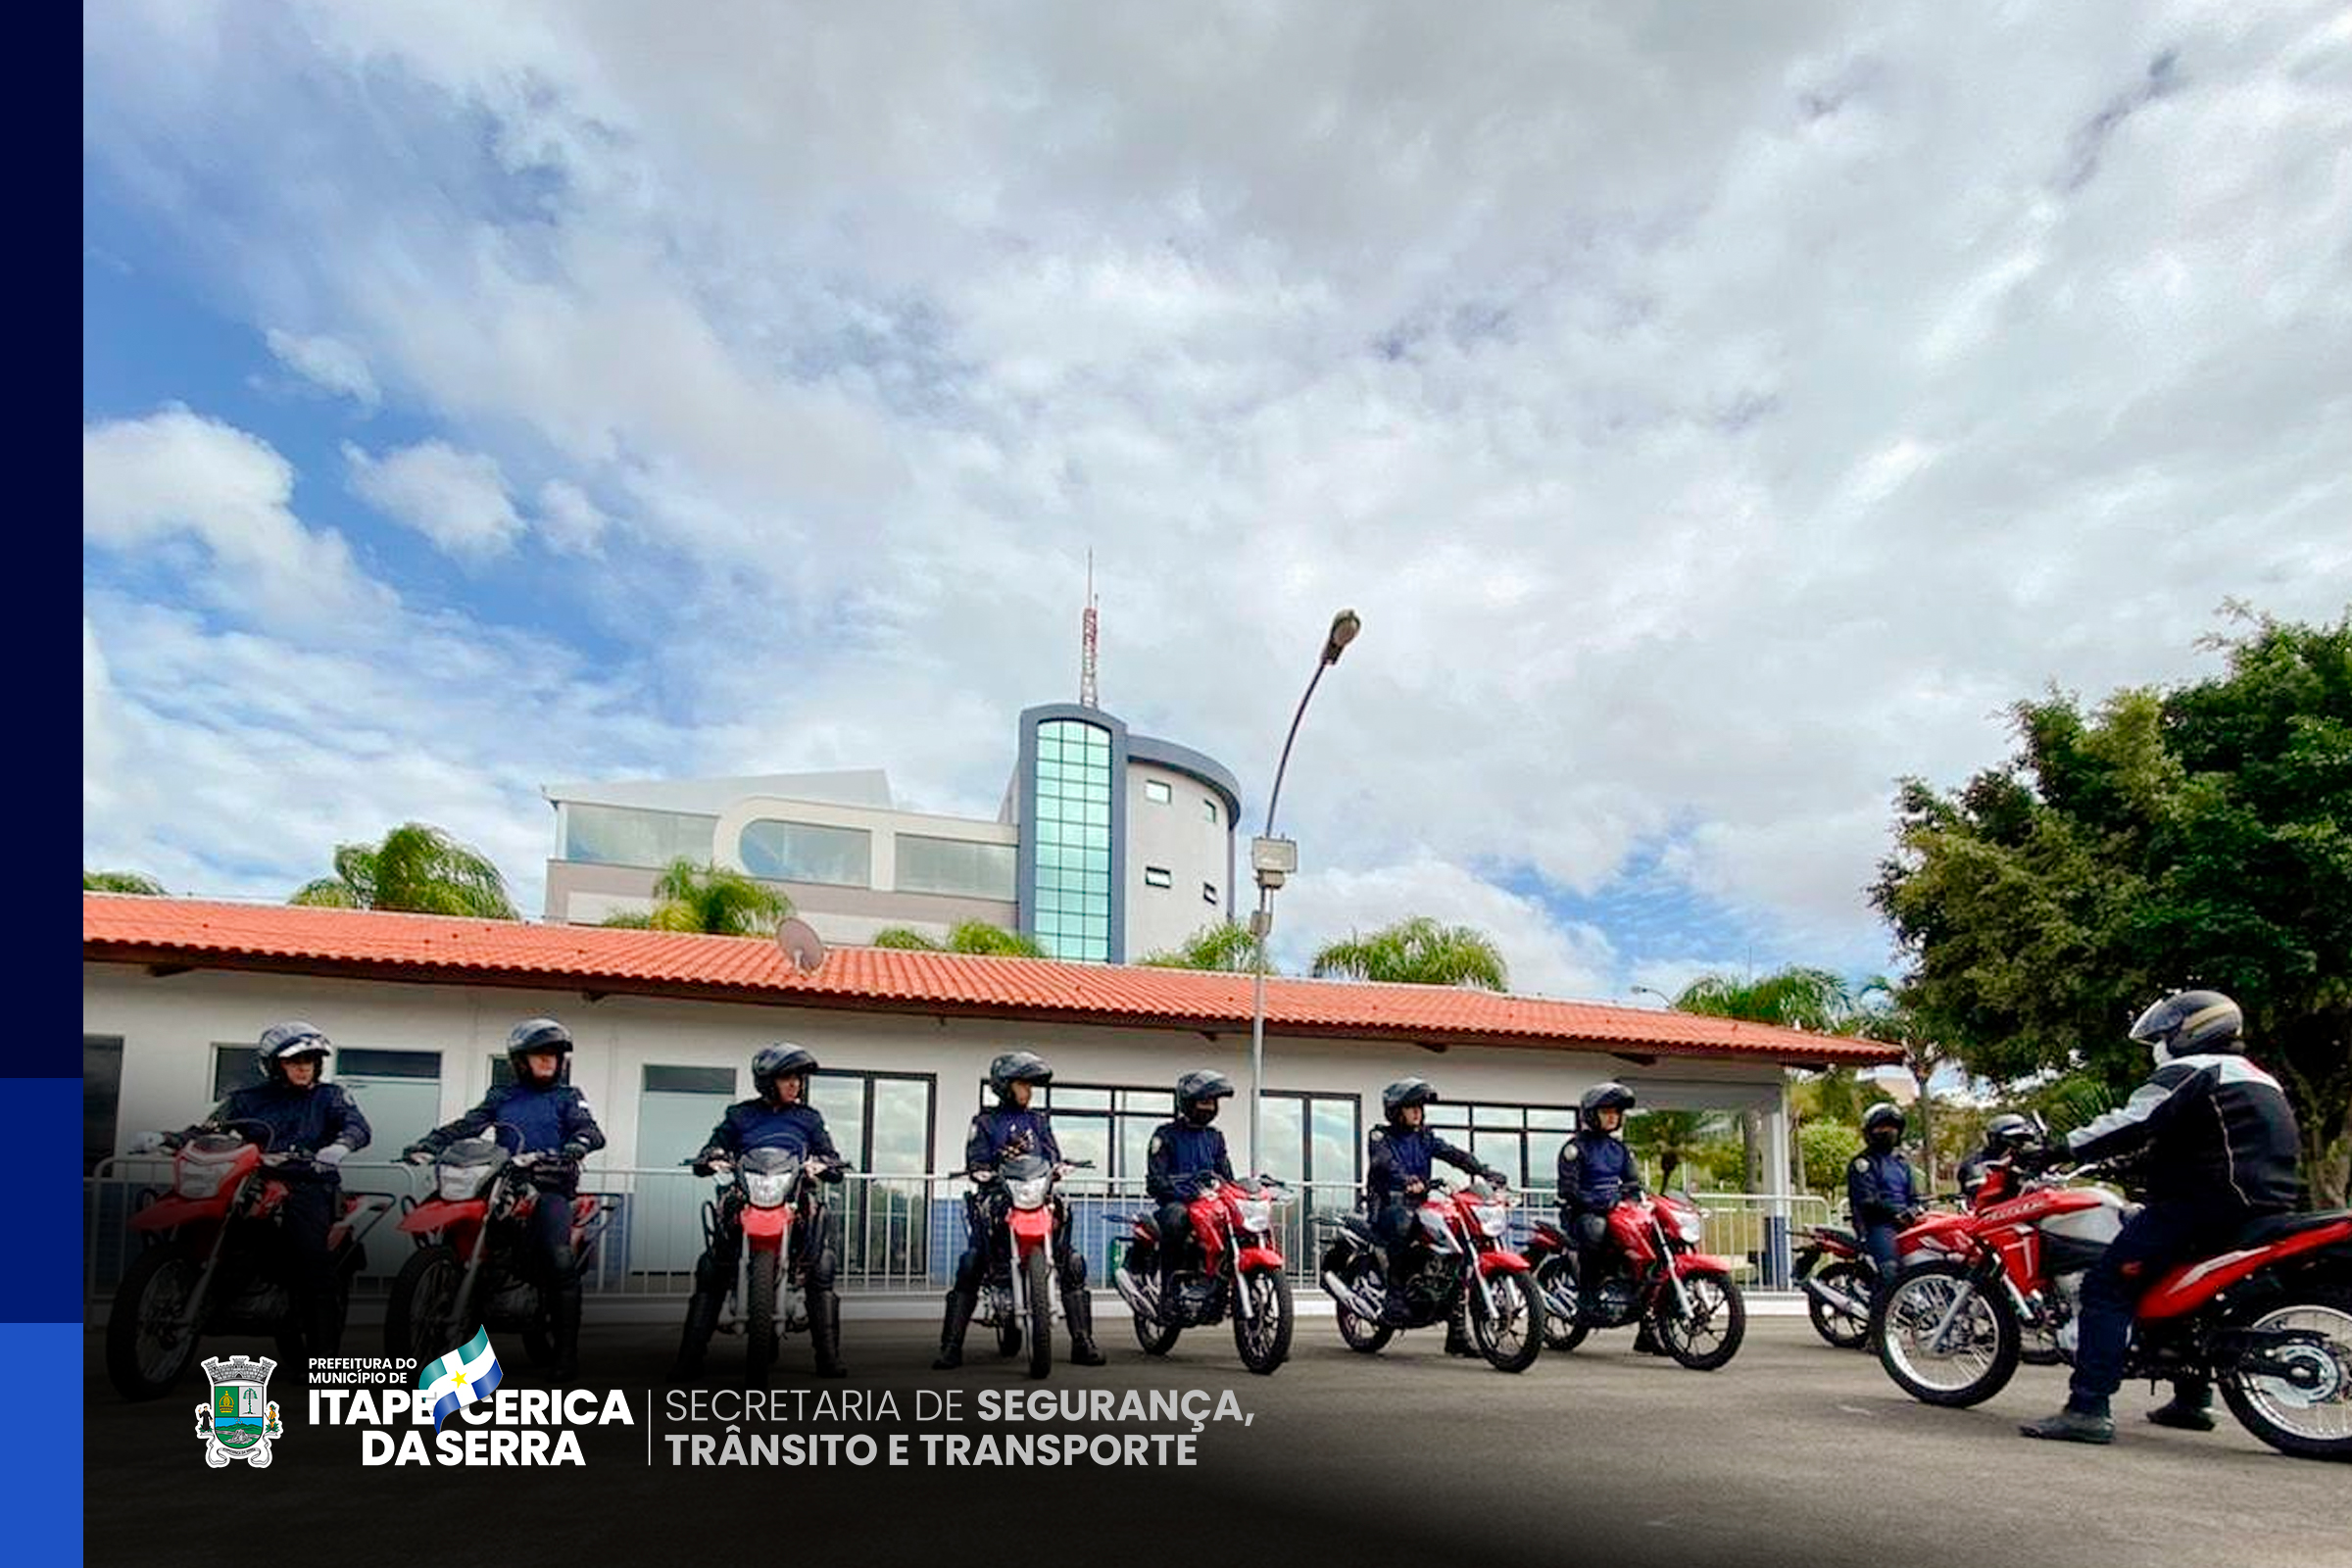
(1225, 946)
(1418, 952)
(1887, 1011)
(977, 937)
(121, 882)
(1795, 998)
(417, 868)
(715, 901)
(1823, 1147)
(2195, 836)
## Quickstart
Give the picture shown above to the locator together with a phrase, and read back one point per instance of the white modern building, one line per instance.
(1109, 844)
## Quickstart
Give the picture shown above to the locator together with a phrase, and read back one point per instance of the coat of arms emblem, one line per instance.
(238, 1422)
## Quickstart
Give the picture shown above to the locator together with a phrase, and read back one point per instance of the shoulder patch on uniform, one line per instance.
(1862, 1163)
(581, 1101)
(1380, 1135)
(1157, 1143)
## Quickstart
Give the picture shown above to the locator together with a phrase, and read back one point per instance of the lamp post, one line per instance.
(1271, 860)
(1636, 991)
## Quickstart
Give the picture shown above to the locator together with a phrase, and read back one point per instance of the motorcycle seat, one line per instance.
(2267, 1228)
(1838, 1233)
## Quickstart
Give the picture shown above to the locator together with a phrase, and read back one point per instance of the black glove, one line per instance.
(417, 1155)
(575, 1152)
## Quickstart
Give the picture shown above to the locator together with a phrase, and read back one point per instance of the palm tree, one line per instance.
(1886, 1013)
(121, 882)
(715, 901)
(976, 937)
(1418, 952)
(417, 868)
(1795, 998)
(1226, 946)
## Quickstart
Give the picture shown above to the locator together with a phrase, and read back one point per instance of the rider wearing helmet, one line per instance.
(1596, 1173)
(1880, 1188)
(1990, 1174)
(998, 1134)
(2219, 1144)
(318, 1125)
(1402, 1153)
(1181, 1153)
(778, 1115)
(551, 1117)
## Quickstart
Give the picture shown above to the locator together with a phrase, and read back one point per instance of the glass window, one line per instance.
(1111, 1127)
(358, 1061)
(1210, 808)
(689, 1080)
(233, 1068)
(1209, 893)
(1523, 1141)
(808, 852)
(1157, 792)
(101, 1097)
(1157, 876)
(955, 865)
(615, 835)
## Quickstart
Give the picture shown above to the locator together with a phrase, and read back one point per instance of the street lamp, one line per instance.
(1272, 859)
(1636, 991)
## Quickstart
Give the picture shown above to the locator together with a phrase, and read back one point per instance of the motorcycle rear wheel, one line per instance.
(2310, 1424)
(1719, 1312)
(421, 1317)
(141, 1363)
(1555, 1276)
(1364, 1336)
(1955, 1379)
(1843, 1329)
(1040, 1275)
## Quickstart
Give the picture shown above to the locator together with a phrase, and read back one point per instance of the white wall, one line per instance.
(1179, 837)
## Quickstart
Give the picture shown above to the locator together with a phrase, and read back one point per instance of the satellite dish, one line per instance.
(802, 945)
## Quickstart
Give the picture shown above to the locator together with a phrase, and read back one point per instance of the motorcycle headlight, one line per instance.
(767, 1189)
(1257, 1213)
(459, 1184)
(1030, 1193)
(1689, 1225)
(201, 1178)
(1492, 1218)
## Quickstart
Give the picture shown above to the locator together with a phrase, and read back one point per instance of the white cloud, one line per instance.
(1711, 423)
(326, 362)
(456, 499)
(1545, 957)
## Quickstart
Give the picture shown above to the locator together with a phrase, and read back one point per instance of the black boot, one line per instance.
(2082, 1421)
(824, 1334)
(1396, 1307)
(567, 1325)
(1079, 1309)
(2191, 1407)
(702, 1320)
(1457, 1337)
(961, 1305)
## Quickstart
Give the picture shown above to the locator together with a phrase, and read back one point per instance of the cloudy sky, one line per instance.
(1713, 419)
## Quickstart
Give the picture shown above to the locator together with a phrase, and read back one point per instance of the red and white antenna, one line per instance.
(1086, 657)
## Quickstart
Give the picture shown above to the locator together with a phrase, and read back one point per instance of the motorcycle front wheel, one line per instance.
(1040, 1273)
(1555, 1279)
(1710, 1335)
(1975, 1356)
(1511, 1335)
(420, 1319)
(760, 1316)
(1847, 1331)
(1262, 1334)
(145, 1353)
(2299, 1400)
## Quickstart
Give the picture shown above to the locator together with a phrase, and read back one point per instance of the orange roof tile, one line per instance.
(119, 928)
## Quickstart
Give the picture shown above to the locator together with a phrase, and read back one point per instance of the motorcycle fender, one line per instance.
(1033, 1225)
(766, 1224)
(439, 1214)
(1687, 1264)
(1260, 1258)
(170, 1213)
(1499, 1261)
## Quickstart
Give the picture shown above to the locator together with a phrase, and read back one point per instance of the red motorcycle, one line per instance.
(1237, 1269)
(216, 1261)
(771, 1192)
(1466, 1270)
(1017, 1284)
(2269, 1320)
(469, 1268)
(1656, 1275)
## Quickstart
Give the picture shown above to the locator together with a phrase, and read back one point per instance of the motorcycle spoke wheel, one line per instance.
(420, 1320)
(1512, 1335)
(146, 1352)
(1365, 1336)
(1847, 1331)
(1710, 1335)
(2309, 1413)
(1261, 1336)
(1975, 1356)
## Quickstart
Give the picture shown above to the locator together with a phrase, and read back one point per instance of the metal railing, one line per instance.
(891, 1233)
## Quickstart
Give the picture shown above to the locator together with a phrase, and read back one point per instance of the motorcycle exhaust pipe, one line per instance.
(1837, 1301)
(1340, 1292)
(1140, 1299)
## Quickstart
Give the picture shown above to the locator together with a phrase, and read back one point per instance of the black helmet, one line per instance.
(2008, 1132)
(1885, 1114)
(1603, 1097)
(1406, 1092)
(536, 1035)
(783, 1059)
(291, 1040)
(1017, 1067)
(1198, 1094)
(2192, 1023)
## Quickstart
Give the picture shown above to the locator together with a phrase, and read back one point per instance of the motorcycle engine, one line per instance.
(1617, 1296)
